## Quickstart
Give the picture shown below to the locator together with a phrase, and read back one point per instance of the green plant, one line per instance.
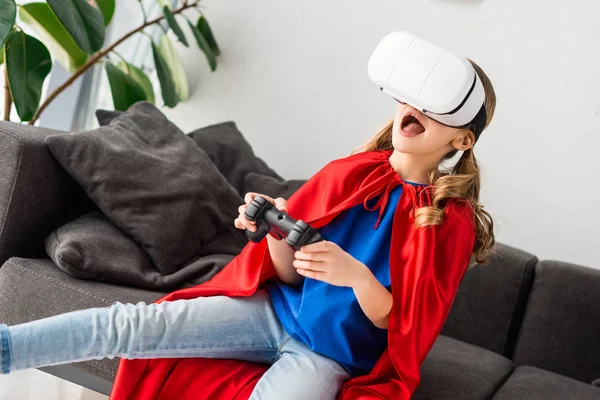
(72, 32)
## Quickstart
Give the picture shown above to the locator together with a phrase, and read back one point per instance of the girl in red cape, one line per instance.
(350, 317)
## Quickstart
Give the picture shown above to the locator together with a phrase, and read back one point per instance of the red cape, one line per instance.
(426, 267)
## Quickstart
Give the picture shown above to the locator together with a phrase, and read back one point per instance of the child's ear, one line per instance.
(465, 141)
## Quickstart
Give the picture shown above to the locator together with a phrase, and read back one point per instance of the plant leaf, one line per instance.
(1, 55)
(203, 44)
(140, 77)
(28, 63)
(165, 3)
(40, 18)
(7, 19)
(83, 21)
(167, 86)
(107, 8)
(171, 57)
(125, 90)
(204, 28)
(175, 26)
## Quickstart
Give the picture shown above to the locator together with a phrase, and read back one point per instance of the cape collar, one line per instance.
(387, 181)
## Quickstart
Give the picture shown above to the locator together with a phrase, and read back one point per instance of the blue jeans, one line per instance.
(243, 328)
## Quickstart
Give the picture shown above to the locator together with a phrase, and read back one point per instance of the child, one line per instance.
(324, 321)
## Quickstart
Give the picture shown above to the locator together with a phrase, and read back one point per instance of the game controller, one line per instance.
(279, 224)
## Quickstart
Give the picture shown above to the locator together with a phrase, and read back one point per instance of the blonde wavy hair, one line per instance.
(460, 181)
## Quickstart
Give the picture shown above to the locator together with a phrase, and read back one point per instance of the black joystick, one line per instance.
(270, 220)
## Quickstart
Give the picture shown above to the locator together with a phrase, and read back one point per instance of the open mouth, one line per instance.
(411, 125)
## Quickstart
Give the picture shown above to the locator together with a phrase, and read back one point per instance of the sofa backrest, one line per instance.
(488, 308)
(561, 326)
(36, 194)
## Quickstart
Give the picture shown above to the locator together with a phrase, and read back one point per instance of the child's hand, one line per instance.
(242, 223)
(328, 262)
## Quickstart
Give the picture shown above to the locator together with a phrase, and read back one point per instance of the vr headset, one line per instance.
(441, 85)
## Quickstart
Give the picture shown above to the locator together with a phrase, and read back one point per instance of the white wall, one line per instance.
(292, 75)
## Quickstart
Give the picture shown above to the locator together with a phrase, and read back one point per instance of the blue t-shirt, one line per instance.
(328, 318)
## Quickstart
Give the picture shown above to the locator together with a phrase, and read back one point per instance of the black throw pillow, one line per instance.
(152, 182)
(226, 146)
(91, 247)
(105, 116)
(231, 153)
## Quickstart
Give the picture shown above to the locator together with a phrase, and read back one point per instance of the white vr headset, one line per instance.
(441, 85)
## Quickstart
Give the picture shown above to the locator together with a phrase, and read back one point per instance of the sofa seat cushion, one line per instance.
(457, 370)
(36, 288)
(531, 383)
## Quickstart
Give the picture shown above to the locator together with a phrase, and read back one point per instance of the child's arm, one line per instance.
(328, 262)
(282, 255)
(374, 299)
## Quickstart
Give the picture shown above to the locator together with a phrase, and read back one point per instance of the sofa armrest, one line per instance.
(36, 194)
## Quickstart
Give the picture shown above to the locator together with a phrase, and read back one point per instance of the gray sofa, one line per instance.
(519, 328)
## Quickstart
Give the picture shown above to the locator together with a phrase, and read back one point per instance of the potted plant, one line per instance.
(72, 33)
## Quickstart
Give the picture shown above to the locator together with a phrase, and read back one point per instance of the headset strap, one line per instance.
(479, 121)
